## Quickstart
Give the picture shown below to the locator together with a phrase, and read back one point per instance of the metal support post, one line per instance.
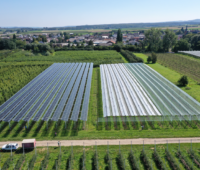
(131, 147)
(155, 144)
(143, 145)
(60, 147)
(167, 145)
(179, 145)
(47, 148)
(191, 144)
(11, 150)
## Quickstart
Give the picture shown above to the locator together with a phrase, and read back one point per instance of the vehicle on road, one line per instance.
(28, 143)
(10, 146)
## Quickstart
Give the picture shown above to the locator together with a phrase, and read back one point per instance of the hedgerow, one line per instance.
(146, 160)
(159, 161)
(132, 58)
(133, 161)
(19, 162)
(172, 160)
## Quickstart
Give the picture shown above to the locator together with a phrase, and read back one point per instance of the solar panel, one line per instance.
(25, 88)
(84, 111)
(59, 110)
(35, 97)
(69, 106)
(16, 106)
(55, 101)
(77, 105)
(43, 96)
(52, 95)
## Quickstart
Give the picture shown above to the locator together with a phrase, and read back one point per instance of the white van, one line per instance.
(8, 147)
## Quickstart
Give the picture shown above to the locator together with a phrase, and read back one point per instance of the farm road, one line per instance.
(138, 141)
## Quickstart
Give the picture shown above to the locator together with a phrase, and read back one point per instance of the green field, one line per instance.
(97, 57)
(102, 157)
(92, 128)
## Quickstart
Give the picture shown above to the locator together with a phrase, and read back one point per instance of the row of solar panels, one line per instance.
(122, 95)
(168, 98)
(56, 93)
(194, 53)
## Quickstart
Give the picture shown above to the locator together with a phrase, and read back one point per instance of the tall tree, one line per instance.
(195, 42)
(153, 39)
(119, 36)
(181, 45)
(169, 40)
(90, 42)
(14, 37)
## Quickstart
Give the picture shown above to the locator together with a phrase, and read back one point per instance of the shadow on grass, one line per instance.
(20, 151)
(81, 163)
(28, 130)
(46, 130)
(10, 129)
(40, 124)
(3, 126)
(19, 129)
(66, 130)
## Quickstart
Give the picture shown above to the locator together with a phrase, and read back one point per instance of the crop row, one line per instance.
(181, 64)
(97, 57)
(97, 159)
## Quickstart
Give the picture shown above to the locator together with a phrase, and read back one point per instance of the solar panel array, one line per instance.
(168, 98)
(138, 90)
(194, 53)
(122, 95)
(58, 92)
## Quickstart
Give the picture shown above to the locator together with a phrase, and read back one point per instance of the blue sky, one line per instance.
(49, 13)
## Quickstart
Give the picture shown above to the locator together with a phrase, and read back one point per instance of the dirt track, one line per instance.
(111, 141)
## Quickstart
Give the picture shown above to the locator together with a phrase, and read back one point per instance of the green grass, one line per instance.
(174, 76)
(97, 57)
(102, 150)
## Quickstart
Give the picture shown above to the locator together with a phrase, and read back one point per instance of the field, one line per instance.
(183, 65)
(97, 57)
(45, 96)
(193, 88)
(124, 157)
(96, 127)
(13, 78)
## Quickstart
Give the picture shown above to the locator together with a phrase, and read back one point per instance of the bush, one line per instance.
(185, 161)
(47, 53)
(153, 58)
(32, 162)
(183, 81)
(131, 57)
(149, 59)
(19, 162)
(120, 161)
(159, 161)
(7, 163)
(146, 160)
(133, 161)
(45, 162)
(171, 160)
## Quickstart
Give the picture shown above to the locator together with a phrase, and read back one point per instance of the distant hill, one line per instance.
(122, 25)
(133, 25)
